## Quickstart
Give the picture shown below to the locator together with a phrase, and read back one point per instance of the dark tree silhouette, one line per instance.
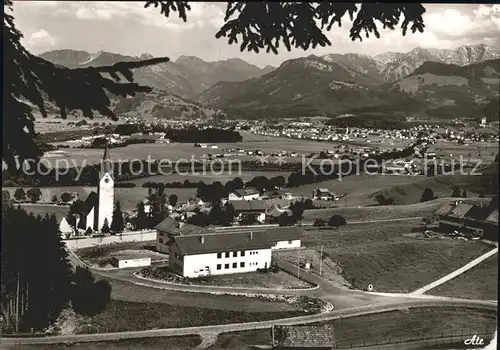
(5, 195)
(19, 195)
(258, 25)
(117, 222)
(66, 197)
(336, 221)
(456, 192)
(141, 222)
(89, 297)
(464, 193)
(428, 195)
(172, 200)
(34, 194)
(319, 223)
(105, 226)
(54, 199)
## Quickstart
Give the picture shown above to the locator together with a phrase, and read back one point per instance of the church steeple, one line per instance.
(106, 161)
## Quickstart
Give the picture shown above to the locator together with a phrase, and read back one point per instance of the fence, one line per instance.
(427, 338)
(126, 237)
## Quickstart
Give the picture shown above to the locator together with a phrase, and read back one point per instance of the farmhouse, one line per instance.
(228, 253)
(170, 228)
(481, 221)
(123, 261)
(253, 209)
(324, 194)
(243, 194)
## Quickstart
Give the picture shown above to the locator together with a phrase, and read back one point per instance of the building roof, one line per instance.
(255, 205)
(285, 233)
(460, 210)
(478, 213)
(445, 209)
(316, 336)
(221, 242)
(129, 257)
(91, 202)
(175, 227)
(245, 191)
(493, 217)
(106, 161)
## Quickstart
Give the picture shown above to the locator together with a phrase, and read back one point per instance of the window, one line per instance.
(219, 255)
(226, 266)
(235, 265)
(242, 253)
(235, 254)
(227, 254)
(242, 264)
(219, 266)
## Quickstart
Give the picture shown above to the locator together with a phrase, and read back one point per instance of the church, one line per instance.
(97, 209)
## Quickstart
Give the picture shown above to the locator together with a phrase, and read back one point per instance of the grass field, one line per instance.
(275, 280)
(480, 150)
(383, 255)
(480, 282)
(358, 189)
(385, 212)
(395, 325)
(101, 255)
(165, 343)
(122, 316)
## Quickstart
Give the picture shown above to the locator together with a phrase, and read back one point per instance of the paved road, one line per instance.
(351, 312)
(457, 272)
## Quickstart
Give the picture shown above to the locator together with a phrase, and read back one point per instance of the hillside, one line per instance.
(453, 90)
(185, 77)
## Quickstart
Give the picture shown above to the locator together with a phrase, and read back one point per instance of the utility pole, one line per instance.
(321, 260)
(298, 265)
(17, 305)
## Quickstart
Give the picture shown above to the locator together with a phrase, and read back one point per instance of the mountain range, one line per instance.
(413, 82)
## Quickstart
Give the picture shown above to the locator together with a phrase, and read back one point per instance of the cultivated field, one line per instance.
(485, 151)
(480, 282)
(382, 327)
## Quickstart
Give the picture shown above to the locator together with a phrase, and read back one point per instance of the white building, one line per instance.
(124, 261)
(212, 253)
(245, 194)
(253, 208)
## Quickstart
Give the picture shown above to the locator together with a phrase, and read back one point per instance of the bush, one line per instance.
(125, 185)
(319, 223)
(336, 221)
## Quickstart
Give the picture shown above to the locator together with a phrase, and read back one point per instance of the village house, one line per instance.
(123, 261)
(481, 221)
(244, 194)
(195, 251)
(324, 194)
(245, 209)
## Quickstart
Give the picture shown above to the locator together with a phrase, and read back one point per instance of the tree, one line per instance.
(105, 226)
(383, 200)
(172, 200)
(285, 220)
(54, 199)
(5, 196)
(336, 221)
(319, 223)
(456, 192)
(141, 221)
(33, 258)
(67, 197)
(258, 26)
(464, 193)
(117, 222)
(88, 297)
(34, 194)
(20, 195)
(427, 195)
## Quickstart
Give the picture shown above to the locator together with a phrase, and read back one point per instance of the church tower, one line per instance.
(105, 192)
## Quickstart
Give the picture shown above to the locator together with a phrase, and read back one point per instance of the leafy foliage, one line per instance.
(117, 222)
(428, 195)
(336, 221)
(88, 296)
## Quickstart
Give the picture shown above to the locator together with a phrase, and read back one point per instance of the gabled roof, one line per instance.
(460, 210)
(255, 205)
(245, 191)
(286, 233)
(220, 242)
(445, 209)
(175, 227)
(478, 213)
(493, 217)
(316, 336)
(91, 202)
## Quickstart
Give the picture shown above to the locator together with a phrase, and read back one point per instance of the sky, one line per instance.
(130, 29)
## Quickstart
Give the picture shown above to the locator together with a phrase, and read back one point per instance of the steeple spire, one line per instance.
(106, 161)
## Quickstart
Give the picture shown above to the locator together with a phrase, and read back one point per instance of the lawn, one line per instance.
(385, 212)
(382, 327)
(382, 254)
(480, 282)
(163, 343)
(403, 265)
(275, 280)
(121, 316)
